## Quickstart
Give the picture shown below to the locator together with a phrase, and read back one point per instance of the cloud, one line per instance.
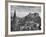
(22, 11)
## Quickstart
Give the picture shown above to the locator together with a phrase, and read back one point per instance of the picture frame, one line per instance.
(28, 10)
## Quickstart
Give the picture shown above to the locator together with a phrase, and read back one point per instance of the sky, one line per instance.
(22, 11)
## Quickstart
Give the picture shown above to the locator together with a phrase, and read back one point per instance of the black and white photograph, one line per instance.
(25, 18)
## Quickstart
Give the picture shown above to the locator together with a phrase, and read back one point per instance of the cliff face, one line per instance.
(33, 17)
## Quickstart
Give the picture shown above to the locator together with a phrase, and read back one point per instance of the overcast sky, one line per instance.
(22, 11)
